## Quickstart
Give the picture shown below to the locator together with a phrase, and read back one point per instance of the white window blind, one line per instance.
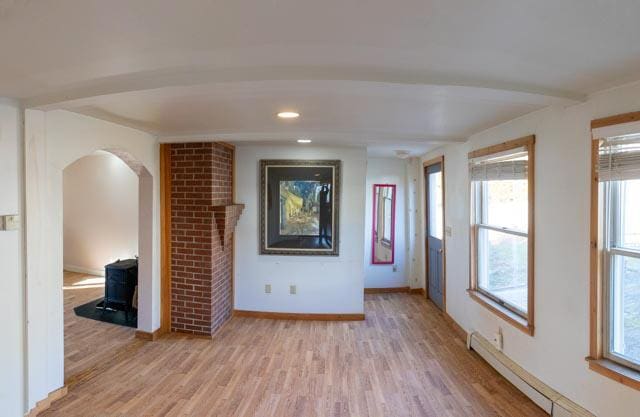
(619, 159)
(506, 166)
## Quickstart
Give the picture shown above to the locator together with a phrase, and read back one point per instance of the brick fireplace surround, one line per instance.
(203, 218)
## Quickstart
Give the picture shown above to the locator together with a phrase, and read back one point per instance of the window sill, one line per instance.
(619, 373)
(502, 312)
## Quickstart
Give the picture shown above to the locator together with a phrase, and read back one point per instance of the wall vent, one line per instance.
(551, 401)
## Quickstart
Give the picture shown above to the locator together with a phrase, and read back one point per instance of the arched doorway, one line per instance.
(54, 140)
(102, 224)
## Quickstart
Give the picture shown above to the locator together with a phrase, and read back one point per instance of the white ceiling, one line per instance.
(382, 74)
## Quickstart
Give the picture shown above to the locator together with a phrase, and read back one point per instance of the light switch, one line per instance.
(447, 230)
(292, 289)
(267, 288)
(10, 222)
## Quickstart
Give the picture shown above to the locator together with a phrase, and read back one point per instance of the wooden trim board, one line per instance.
(233, 237)
(299, 316)
(385, 290)
(45, 403)
(622, 374)
(425, 165)
(597, 361)
(531, 236)
(420, 291)
(616, 120)
(459, 331)
(165, 237)
(142, 335)
(433, 161)
(506, 315)
(524, 324)
(548, 399)
(595, 293)
(504, 146)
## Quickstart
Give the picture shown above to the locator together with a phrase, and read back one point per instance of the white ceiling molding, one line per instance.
(193, 77)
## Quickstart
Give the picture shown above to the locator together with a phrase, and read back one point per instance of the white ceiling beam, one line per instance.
(356, 137)
(185, 77)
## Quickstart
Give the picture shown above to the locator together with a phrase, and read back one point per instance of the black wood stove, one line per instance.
(121, 280)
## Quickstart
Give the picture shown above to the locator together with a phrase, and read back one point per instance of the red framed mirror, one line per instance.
(383, 224)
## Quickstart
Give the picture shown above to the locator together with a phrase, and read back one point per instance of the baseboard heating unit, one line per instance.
(551, 401)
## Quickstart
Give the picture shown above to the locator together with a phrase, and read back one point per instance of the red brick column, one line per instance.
(201, 266)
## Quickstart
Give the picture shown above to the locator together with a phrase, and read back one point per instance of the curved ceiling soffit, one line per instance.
(186, 77)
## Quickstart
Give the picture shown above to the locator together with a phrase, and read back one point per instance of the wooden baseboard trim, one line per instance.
(385, 290)
(44, 404)
(298, 316)
(459, 331)
(151, 337)
(420, 291)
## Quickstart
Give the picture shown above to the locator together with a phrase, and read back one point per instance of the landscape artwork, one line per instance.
(299, 207)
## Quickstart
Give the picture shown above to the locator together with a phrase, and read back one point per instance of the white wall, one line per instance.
(53, 140)
(100, 213)
(556, 353)
(11, 263)
(386, 171)
(325, 284)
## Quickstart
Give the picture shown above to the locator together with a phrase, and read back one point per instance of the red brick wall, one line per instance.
(201, 282)
(222, 284)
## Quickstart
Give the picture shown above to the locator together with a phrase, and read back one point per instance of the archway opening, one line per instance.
(107, 232)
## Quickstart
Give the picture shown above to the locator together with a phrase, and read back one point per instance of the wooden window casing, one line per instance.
(523, 321)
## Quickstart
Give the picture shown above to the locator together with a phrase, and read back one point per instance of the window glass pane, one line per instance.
(630, 205)
(502, 266)
(435, 205)
(506, 204)
(625, 307)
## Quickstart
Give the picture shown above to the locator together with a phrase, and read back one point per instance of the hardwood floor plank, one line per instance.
(403, 360)
(87, 342)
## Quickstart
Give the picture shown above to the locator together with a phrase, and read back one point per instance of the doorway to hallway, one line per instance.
(434, 231)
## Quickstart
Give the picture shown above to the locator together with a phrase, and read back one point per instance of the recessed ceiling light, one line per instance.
(288, 115)
(304, 140)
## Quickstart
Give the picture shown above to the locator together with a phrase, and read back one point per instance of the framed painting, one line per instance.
(299, 207)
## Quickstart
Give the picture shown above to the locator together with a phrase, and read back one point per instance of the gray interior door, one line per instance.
(434, 233)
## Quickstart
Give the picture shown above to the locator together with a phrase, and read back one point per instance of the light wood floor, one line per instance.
(402, 361)
(88, 342)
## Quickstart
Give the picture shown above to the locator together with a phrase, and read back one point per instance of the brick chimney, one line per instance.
(203, 218)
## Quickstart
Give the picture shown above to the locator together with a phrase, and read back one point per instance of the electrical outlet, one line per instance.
(497, 339)
(267, 288)
(292, 289)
